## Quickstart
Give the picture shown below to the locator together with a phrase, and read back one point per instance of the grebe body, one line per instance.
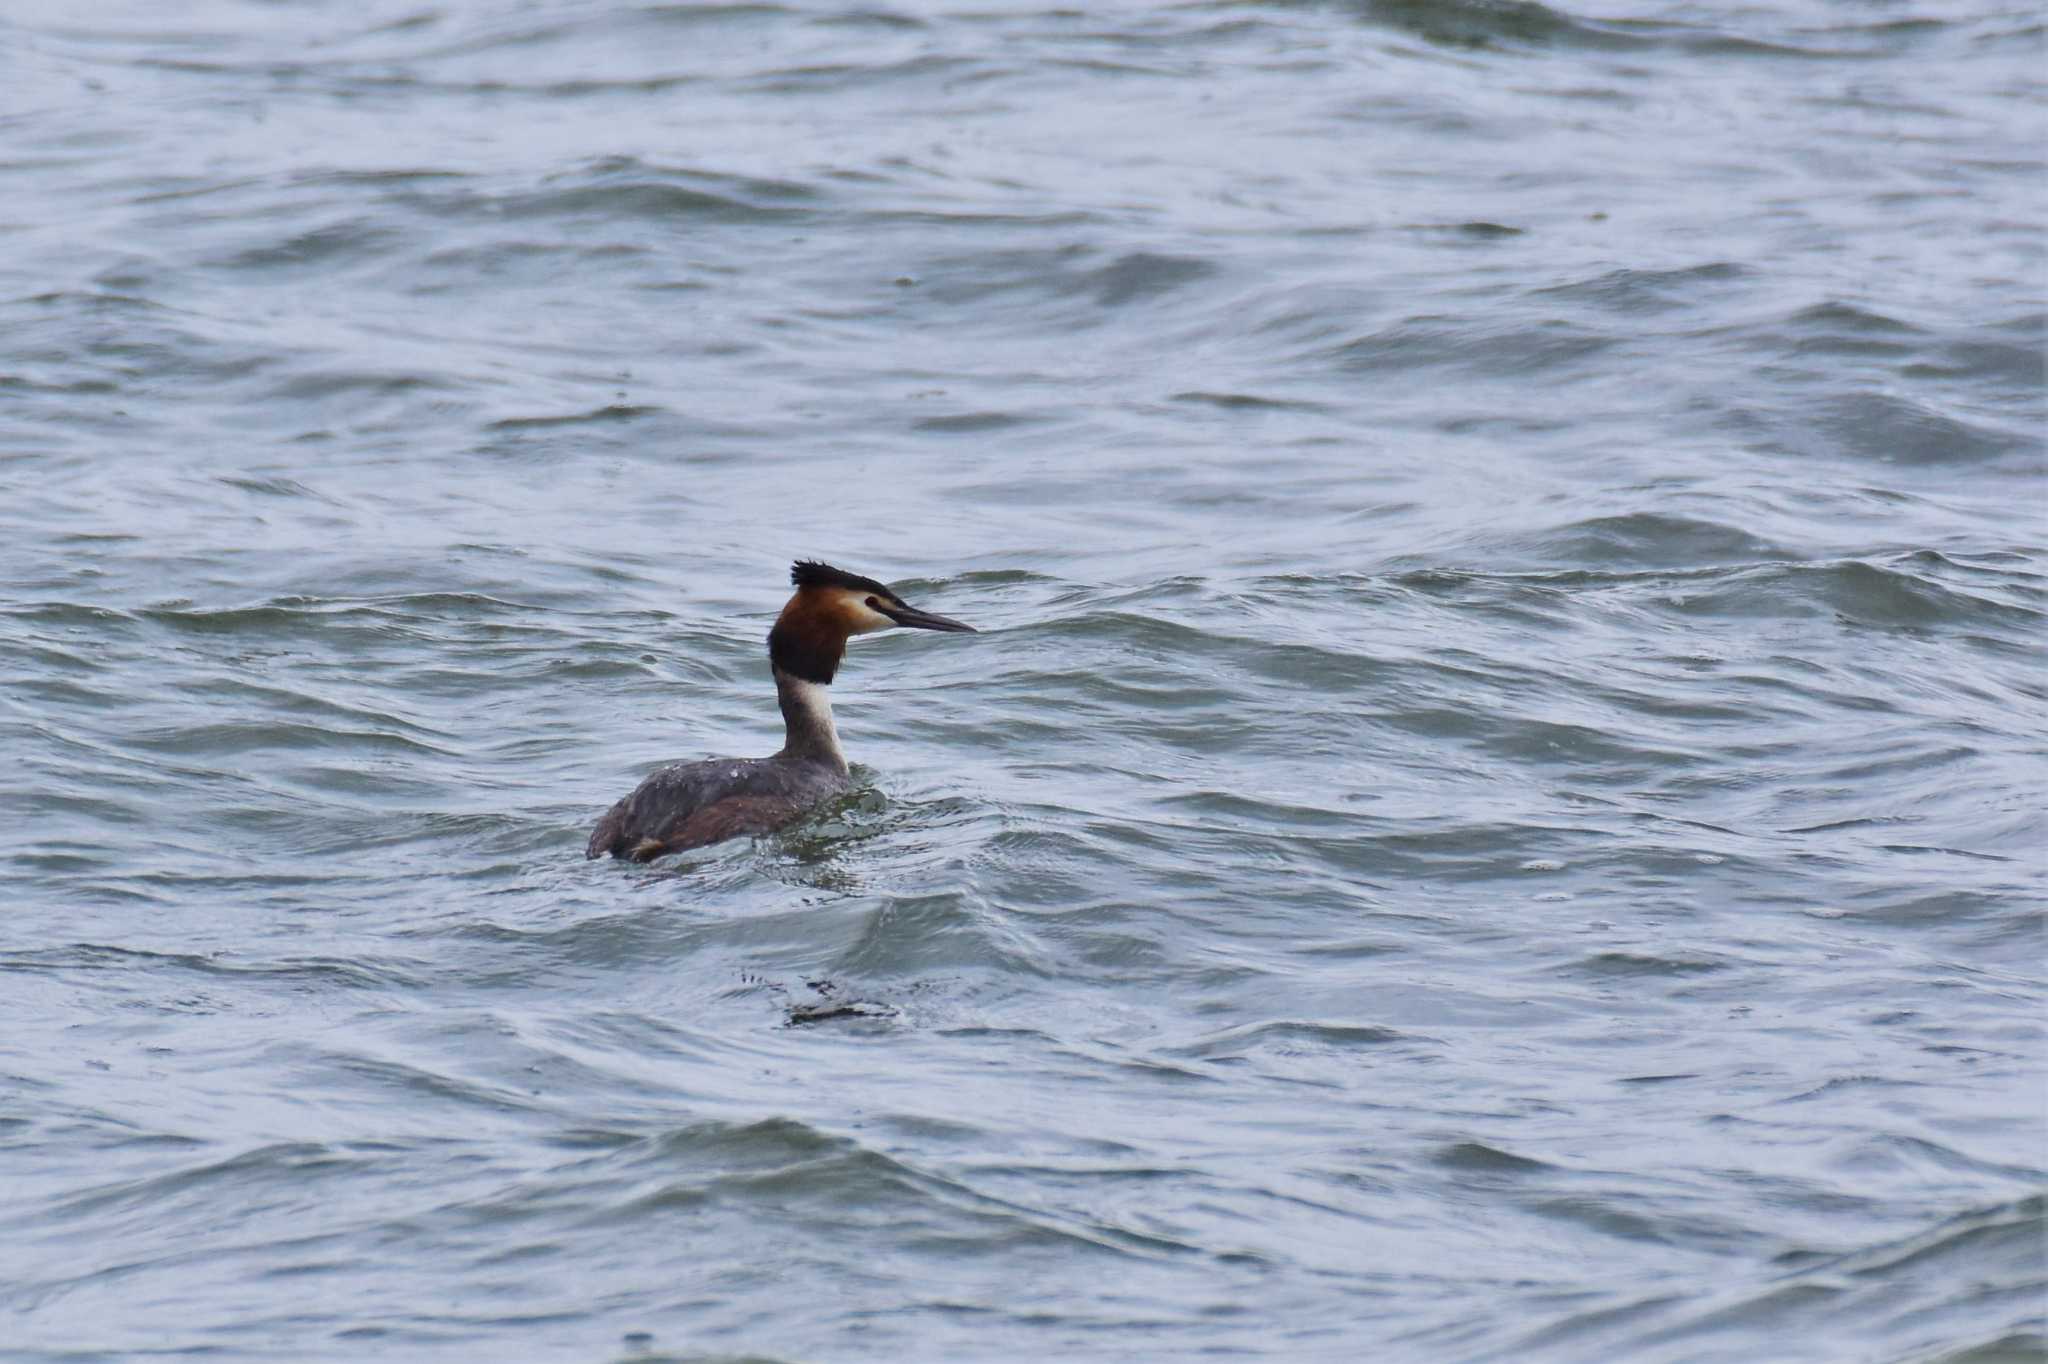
(688, 805)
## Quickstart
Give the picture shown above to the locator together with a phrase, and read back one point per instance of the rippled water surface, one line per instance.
(1495, 815)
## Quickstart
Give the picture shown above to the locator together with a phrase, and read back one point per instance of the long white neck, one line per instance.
(807, 720)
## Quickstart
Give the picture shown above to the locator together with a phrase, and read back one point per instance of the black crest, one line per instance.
(811, 573)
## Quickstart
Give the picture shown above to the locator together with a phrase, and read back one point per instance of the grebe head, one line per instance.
(830, 607)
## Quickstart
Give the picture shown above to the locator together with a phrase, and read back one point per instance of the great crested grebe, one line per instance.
(688, 805)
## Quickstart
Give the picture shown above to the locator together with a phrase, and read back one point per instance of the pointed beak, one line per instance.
(925, 620)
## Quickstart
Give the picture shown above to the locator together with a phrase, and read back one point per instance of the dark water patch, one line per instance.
(1601, 757)
(1478, 1158)
(613, 412)
(93, 302)
(323, 246)
(541, 34)
(707, 15)
(355, 386)
(1491, 24)
(818, 1180)
(1867, 594)
(2015, 1348)
(641, 666)
(532, 264)
(1879, 428)
(932, 71)
(414, 1084)
(620, 197)
(1864, 1154)
(1247, 402)
(1893, 595)
(1290, 1037)
(342, 621)
(341, 716)
(1389, 850)
(1843, 329)
(282, 1166)
(886, 20)
(1650, 540)
(1895, 429)
(922, 934)
(1609, 1216)
(1256, 812)
(1625, 965)
(230, 737)
(269, 621)
(303, 972)
(1068, 274)
(2009, 579)
(2020, 370)
(679, 915)
(1917, 849)
(101, 345)
(1858, 1295)
(2006, 1233)
(1488, 350)
(1637, 292)
(2004, 911)
(1899, 1151)
(277, 486)
(1475, 231)
(378, 178)
(1144, 275)
(966, 423)
(1797, 45)
(627, 189)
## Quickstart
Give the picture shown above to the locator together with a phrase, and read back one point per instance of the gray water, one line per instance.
(1496, 813)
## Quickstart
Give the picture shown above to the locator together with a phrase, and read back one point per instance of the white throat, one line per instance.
(807, 720)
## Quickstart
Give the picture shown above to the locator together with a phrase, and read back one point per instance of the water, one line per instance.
(1496, 814)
